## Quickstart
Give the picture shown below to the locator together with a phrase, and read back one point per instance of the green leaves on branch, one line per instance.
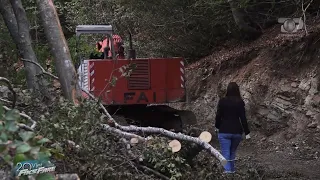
(25, 136)
(12, 115)
(43, 140)
(160, 157)
(23, 148)
(17, 145)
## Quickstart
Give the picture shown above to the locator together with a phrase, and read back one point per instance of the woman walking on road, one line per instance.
(231, 123)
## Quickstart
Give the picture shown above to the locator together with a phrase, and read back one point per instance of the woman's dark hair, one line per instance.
(233, 90)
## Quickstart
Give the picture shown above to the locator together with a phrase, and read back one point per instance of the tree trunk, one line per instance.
(243, 21)
(20, 32)
(59, 49)
(10, 20)
(24, 44)
(11, 23)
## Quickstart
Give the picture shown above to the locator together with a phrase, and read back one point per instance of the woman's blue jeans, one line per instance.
(229, 144)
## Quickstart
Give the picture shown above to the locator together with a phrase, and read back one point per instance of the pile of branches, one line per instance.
(130, 135)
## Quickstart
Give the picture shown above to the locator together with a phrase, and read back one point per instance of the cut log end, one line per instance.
(134, 141)
(175, 146)
(205, 136)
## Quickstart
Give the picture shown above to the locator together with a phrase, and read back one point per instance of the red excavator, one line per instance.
(136, 90)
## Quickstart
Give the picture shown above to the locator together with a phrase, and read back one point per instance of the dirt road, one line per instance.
(267, 161)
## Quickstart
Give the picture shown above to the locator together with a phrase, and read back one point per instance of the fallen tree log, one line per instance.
(153, 130)
(173, 135)
(123, 134)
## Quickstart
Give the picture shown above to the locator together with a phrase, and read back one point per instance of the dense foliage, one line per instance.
(189, 28)
(95, 154)
(177, 28)
(165, 28)
(17, 145)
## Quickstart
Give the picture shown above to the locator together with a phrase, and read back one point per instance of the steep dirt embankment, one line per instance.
(279, 80)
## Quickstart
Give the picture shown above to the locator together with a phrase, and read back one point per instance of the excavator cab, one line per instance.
(110, 47)
(106, 46)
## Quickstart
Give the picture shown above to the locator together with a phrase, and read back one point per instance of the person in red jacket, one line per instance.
(231, 123)
(105, 45)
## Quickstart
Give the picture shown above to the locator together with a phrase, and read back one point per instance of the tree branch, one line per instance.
(121, 133)
(41, 68)
(111, 128)
(11, 89)
(6, 101)
(23, 126)
(304, 15)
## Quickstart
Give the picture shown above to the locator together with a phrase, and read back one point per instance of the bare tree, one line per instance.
(243, 21)
(59, 49)
(17, 23)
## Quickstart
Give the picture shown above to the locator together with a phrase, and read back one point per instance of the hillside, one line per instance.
(279, 80)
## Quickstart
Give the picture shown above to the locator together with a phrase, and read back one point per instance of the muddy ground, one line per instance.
(279, 79)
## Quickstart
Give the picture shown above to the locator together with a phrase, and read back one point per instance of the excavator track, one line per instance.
(188, 118)
(161, 116)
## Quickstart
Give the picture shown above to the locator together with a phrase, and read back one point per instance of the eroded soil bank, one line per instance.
(279, 80)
